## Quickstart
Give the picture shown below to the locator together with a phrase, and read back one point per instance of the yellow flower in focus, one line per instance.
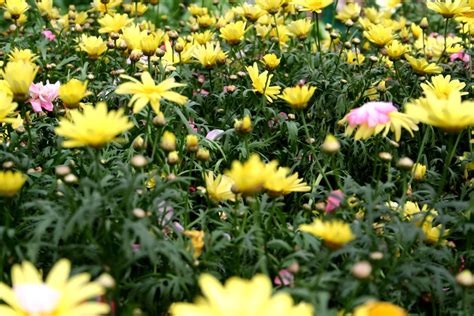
(379, 309)
(25, 55)
(220, 188)
(94, 127)
(351, 11)
(149, 44)
(239, 297)
(279, 181)
(72, 92)
(11, 183)
(422, 67)
(261, 83)
(19, 75)
(7, 106)
(209, 54)
(148, 92)
(354, 58)
(395, 50)
(448, 8)
(300, 28)
(93, 46)
(335, 234)
(418, 171)
(379, 35)
(132, 35)
(442, 87)
(233, 33)
(16, 8)
(312, 5)
(298, 97)
(113, 23)
(58, 295)
(197, 240)
(271, 61)
(248, 177)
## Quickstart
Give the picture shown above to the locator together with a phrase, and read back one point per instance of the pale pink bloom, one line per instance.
(49, 35)
(334, 200)
(178, 227)
(192, 125)
(461, 56)
(43, 96)
(371, 113)
(214, 134)
(284, 277)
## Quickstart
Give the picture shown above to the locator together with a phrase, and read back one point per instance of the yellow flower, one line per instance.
(418, 171)
(280, 182)
(10, 184)
(422, 67)
(249, 11)
(108, 7)
(416, 30)
(72, 92)
(312, 5)
(298, 97)
(197, 239)
(19, 75)
(93, 46)
(135, 8)
(58, 295)
(204, 37)
(330, 145)
(248, 177)
(300, 28)
(209, 54)
(192, 143)
(16, 8)
(433, 233)
(450, 114)
(335, 234)
(271, 61)
(25, 55)
(148, 92)
(94, 127)
(351, 11)
(353, 58)
(220, 188)
(244, 125)
(271, 6)
(233, 33)
(261, 83)
(379, 35)
(206, 20)
(442, 87)
(379, 309)
(7, 106)
(132, 36)
(46, 8)
(113, 23)
(448, 8)
(395, 50)
(168, 141)
(196, 10)
(239, 297)
(149, 44)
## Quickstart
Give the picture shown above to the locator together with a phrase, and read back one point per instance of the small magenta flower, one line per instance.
(334, 200)
(43, 96)
(372, 114)
(49, 35)
(285, 277)
(460, 56)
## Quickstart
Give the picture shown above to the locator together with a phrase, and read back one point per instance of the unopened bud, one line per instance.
(362, 270)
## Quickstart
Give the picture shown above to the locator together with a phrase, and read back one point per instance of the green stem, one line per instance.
(445, 40)
(448, 163)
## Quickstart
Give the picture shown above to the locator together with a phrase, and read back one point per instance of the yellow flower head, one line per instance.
(7, 106)
(94, 127)
(279, 181)
(239, 297)
(354, 58)
(11, 182)
(233, 33)
(300, 28)
(248, 177)
(448, 8)
(298, 97)
(220, 188)
(19, 75)
(433, 234)
(261, 83)
(93, 46)
(72, 92)
(379, 309)
(442, 87)
(147, 91)
(204, 37)
(113, 23)
(197, 239)
(108, 7)
(395, 50)
(208, 55)
(271, 6)
(312, 5)
(58, 295)
(16, 8)
(379, 35)
(196, 10)
(335, 234)
(25, 55)
(418, 171)
(168, 141)
(249, 11)
(149, 44)
(422, 67)
(47, 9)
(135, 8)
(271, 61)
(244, 125)
(350, 11)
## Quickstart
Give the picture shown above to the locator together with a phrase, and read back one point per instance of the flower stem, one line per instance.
(448, 163)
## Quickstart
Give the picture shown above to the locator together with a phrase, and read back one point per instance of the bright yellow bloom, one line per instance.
(208, 55)
(422, 67)
(244, 125)
(280, 182)
(248, 177)
(197, 240)
(94, 127)
(133, 35)
(93, 46)
(47, 9)
(418, 171)
(239, 297)
(354, 58)
(450, 114)
(113, 23)
(351, 11)
(72, 92)
(312, 5)
(379, 35)
(109, 7)
(233, 33)
(442, 87)
(168, 141)
(19, 75)
(16, 8)
(58, 296)
(7, 106)
(10, 184)
(196, 10)
(434, 45)
(433, 233)
(395, 50)
(261, 83)
(135, 8)
(298, 97)
(416, 30)
(300, 28)
(249, 11)
(149, 44)
(448, 8)
(271, 61)
(379, 309)
(271, 6)
(204, 37)
(25, 55)
(147, 91)
(335, 234)
(220, 188)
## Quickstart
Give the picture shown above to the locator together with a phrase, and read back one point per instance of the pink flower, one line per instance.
(214, 134)
(284, 277)
(334, 200)
(49, 35)
(371, 113)
(42, 96)
(461, 56)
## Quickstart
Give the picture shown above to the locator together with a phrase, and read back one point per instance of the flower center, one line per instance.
(36, 298)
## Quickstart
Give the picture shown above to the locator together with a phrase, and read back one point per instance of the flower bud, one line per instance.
(385, 156)
(139, 213)
(62, 170)
(331, 145)
(192, 143)
(203, 154)
(424, 23)
(159, 119)
(106, 280)
(405, 163)
(465, 278)
(168, 141)
(244, 125)
(362, 270)
(173, 158)
(139, 161)
(418, 171)
(139, 143)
